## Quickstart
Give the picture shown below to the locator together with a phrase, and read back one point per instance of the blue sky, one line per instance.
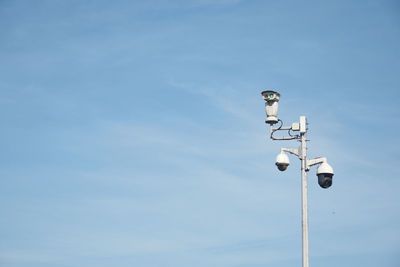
(133, 132)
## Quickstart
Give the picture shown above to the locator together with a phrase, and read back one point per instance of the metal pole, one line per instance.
(304, 198)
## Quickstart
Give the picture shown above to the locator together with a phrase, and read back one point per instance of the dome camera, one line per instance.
(325, 174)
(282, 161)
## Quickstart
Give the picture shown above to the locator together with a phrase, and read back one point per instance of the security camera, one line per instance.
(271, 106)
(325, 174)
(282, 161)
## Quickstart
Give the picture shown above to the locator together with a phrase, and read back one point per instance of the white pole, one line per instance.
(304, 199)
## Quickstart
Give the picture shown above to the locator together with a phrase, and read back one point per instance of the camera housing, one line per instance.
(282, 161)
(269, 95)
(271, 106)
(325, 175)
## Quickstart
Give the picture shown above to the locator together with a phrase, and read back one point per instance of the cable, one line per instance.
(277, 129)
(280, 126)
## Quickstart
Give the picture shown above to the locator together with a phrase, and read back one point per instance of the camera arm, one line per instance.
(291, 151)
(294, 127)
(312, 162)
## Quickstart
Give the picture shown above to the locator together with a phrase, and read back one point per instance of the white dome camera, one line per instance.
(325, 174)
(271, 106)
(282, 161)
